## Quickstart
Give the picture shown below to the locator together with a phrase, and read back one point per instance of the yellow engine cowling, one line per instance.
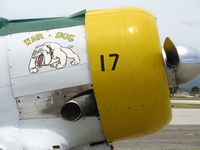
(128, 73)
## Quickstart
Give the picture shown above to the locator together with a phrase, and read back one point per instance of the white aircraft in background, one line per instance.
(84, 81)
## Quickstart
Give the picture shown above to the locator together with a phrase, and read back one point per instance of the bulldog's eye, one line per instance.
(40, 50)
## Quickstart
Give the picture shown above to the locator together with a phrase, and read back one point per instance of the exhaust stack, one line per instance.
(79, 106)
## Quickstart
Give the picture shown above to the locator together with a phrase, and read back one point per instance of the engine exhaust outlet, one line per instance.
(82, 105)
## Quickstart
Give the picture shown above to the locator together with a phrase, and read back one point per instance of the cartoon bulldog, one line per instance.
(51, 54)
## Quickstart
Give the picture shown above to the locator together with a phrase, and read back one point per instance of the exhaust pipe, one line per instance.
(81, 105)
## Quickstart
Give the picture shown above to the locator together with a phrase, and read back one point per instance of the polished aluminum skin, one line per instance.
(47, 104)
(188, 67)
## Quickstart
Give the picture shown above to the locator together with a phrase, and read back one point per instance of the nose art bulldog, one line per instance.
(51, 54)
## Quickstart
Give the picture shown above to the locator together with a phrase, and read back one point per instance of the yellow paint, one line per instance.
(133, 99)
(27, 41)
(39, 36)
(33, 39)
(65, 36)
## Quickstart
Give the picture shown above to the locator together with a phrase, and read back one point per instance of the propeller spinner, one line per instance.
(182, 63)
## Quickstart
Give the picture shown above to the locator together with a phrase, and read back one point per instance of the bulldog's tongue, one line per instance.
(39, 62)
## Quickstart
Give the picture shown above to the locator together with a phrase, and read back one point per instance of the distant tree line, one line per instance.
(195, 89)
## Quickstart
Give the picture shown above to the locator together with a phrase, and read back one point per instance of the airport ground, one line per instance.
(183, 132)
(173, 137)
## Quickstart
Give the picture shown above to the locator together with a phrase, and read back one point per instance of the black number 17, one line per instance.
(103, 62)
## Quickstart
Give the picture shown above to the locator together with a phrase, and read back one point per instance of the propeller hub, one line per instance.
(182, 63)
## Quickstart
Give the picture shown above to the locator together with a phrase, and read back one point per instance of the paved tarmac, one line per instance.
(185, 116)
(173, 137)
(186, 101)
(183, 133)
